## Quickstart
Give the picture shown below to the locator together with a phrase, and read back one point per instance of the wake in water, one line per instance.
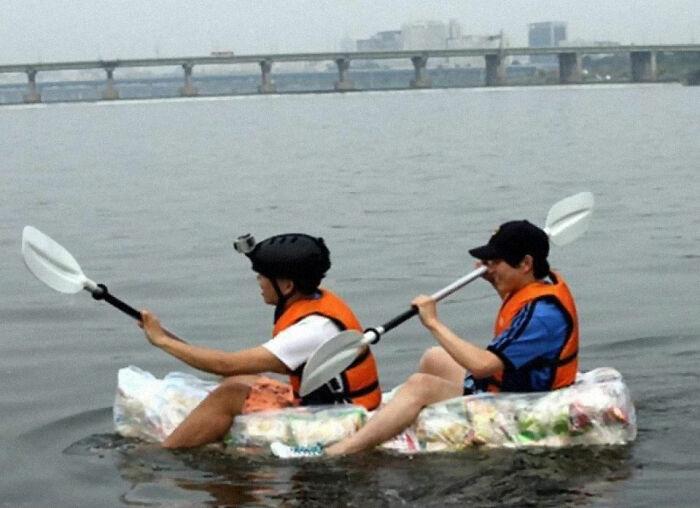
(474, 477)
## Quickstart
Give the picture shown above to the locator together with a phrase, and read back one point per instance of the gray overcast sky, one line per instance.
(59, 30)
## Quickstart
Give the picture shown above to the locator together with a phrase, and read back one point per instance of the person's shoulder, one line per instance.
(547, 306)
(314, 320)
(314, 324)
(549, 313)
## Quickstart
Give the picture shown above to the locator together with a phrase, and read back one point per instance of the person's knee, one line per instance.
(431, 360)
(229, 395)
(232, 383)
(437, 362)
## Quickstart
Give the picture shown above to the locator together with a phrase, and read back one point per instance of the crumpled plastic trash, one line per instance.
(299, 426)
(149, 408)
(596, 410)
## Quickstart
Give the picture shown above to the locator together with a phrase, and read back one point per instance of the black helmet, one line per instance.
(302, 258)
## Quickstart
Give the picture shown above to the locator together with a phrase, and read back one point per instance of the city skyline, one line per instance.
(60, 30)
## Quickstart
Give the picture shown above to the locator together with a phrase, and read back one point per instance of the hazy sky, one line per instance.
(59, 30)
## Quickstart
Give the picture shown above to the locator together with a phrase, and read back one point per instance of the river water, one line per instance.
(148, 196)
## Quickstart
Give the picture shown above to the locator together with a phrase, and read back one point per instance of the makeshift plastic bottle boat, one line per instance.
(596, 410)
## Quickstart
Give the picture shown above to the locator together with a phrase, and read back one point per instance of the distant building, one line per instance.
(382, 41)
(424, 35)
(454, 30)
(389, 40)
(546, 35)
(456, 40)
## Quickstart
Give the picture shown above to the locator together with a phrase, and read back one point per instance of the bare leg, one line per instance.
(212, 418)
(416, 393)
(438, 362)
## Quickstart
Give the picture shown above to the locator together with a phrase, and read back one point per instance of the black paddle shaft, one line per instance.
(103, 294)
(392, 323)
(404, 316)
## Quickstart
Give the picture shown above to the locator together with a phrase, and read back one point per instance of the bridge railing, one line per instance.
(643, 63)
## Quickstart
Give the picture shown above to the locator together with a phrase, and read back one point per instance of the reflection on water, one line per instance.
(212, 477)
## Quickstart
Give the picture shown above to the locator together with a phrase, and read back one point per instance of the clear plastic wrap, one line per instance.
(304, 426)
(597, 410)
(150, 408)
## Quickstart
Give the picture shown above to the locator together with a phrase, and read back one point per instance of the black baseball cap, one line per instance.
(512, 241)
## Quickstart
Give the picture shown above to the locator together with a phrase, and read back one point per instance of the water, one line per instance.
(148, 196)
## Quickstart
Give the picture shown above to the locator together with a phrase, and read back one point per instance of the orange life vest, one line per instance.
(566, 364)
(359, 383)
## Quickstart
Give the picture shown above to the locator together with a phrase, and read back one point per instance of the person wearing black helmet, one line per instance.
(290, 268)
(534, 345)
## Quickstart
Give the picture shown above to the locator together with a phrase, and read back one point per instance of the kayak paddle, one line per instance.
(566, 221)
(53, 265)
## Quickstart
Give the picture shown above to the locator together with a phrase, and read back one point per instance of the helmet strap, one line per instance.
(279, 308)
(281, 299)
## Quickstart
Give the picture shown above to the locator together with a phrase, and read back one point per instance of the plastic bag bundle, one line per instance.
(149, 408)
(302, 426)
(596, 410)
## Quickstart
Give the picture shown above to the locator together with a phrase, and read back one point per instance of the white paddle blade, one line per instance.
(50, 262)
(330, 359)
(569, 218)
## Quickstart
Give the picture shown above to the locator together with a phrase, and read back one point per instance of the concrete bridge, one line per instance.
(642, 61)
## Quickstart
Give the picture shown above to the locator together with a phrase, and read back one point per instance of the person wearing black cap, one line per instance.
(534, 346)
(290, 268)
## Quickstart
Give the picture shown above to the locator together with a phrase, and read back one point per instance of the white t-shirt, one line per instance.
(294, 345)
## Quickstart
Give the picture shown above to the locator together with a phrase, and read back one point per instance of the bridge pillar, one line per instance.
(344, 83)
(32, 95)
(187, 90)
(266, 84)
(495, 70)
(569, 68)
(421, 80)
(110, 93)
(643, 66)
